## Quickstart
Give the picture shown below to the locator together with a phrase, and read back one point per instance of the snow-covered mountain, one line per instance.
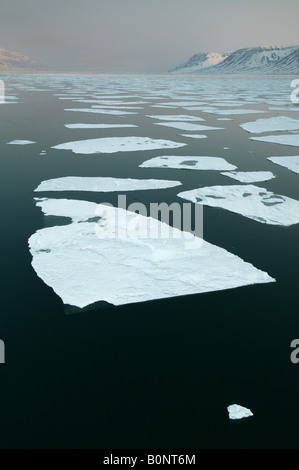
(14, 62)
(256, 60)
(200, 61)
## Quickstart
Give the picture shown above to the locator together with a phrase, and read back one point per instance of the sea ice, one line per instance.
(238, 412)
(103, 184)
(186, 126)
(176, 117)
(291, 163)
(279, 123)
(117, 144)
(21, 142)
(250, 176)
(113, 112)
(250, 201)
(195, 136)
(118, 260)
(98, 126)
(188, 163)
(286, 139)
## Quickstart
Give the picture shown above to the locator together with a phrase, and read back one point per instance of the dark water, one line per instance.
(153, 375)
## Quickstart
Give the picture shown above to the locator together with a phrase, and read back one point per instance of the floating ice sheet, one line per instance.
(21, 142)
(176, 117)
(98, 126)
(195, 136)
(279, 123)
(103, 184)
(250, 201)
(236, 412)
(250, 176)
(113, 112)
(291, 163)
(286, 139)
(189, 163)
(117, 144)
(118, 260)
(186, 126)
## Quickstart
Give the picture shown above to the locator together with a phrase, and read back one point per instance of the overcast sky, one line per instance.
(141, 35)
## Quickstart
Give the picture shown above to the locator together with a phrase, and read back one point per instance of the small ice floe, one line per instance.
(228, 112)
(117, 256)
(224, 119)
(291, 163)
(176, 117)
(286, 139)
(113, 112)
(250, 176)
(98, 126)
(189, 163)
(236, 412)
(117, 144)
(186, 126)
(279, 123)
(195, 136)
(250, 201)
(180, 104)
(21, 142)
(103, 184)
(43, 153)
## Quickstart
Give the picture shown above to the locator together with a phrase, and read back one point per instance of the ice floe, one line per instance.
(117, 144)
(98, 126)
(103, 184)
(291, 163)
(176, 117)
(195, 136)
(186, 126)
(113, 112)
(250, 176)
(189, 163)
(286, 139)
(116, 261)
(21, 142)
(236, 412)
(279, 123)
(250, 201)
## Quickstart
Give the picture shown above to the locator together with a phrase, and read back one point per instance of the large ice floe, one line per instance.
(250, 176)
(98, 126)
(291, 163)
(189, 163)
(279, 123)
(121, 259)
(250, 201)
(103, 184)
(117, 144)
(286, 139)
(187, 126)
(236, 412)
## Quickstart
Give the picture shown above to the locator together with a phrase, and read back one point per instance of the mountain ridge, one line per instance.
(253, 60)
(11, 61)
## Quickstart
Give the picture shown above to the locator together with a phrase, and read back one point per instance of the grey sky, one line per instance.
(141, 35)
